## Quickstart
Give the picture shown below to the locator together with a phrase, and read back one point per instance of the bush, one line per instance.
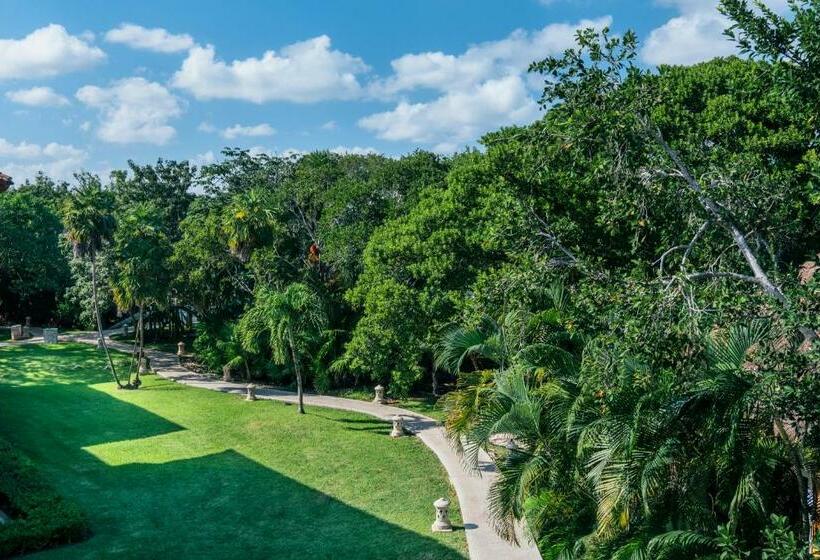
(41, 518)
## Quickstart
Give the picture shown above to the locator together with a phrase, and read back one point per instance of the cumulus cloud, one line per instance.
(489, 60)
(155, 39)
(37, 97)
(302, 72)
(695, 35)
(482, 88)
(133, 110)
(238, 130)
(24, 159)
(48, 51)
(457, 117)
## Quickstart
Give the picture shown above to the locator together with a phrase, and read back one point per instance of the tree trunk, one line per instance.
(298, 370)
(141, 352)
(99, 319)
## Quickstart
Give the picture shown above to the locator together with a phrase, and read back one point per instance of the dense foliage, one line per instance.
(619, 299)
(41, 517)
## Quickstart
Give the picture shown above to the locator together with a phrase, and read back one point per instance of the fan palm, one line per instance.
(290, 322)
(89, 223)
(245, 222)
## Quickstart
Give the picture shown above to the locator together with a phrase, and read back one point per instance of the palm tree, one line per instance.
(246, 221)
(89, 223)
(141, 276)
(290, 321)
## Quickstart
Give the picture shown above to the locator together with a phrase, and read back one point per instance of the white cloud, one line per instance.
(493, 59)
(695, 35)
(329, 125)
(205, 158)
(156, 39)
(23, 160)
(457, 117)
(45, 52)
(133, 110)
(85, 126)
(354, 150)
(37, 97)
(484, 87)
(238, 130)
(302, 72)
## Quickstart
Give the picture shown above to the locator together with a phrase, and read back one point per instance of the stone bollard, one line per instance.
(50, 336)
(125, 330)
(26, 331)
(100, 344)
(145, 365)
(226, 373)
(17, 332)
(442, 523)
(28, 322)
(180, 351)
(379, 399)
(251, 392)
(398, 427)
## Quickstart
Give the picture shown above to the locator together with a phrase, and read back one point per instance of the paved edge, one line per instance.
(471, 488)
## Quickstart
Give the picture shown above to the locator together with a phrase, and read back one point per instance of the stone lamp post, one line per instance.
(180, 351)
(379, 398)
(398, 426)
(442, 523)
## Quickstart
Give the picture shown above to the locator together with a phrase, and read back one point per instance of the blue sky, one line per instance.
(90, 84)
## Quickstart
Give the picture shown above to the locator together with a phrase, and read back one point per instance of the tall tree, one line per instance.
(288, 322)
(89, 222)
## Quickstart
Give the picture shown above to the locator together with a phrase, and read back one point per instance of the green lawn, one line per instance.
(171, 471)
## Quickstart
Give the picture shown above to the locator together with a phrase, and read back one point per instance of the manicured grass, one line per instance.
(171, 471)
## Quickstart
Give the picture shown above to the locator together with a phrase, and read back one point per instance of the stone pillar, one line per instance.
(125, 329)
(226, 373)
(100, 344)
(398, 426)
(28, 322)
(50, 336)
(145, 365)
(17, 332)
(379, 398)
(26, 331)
(251, 396)
(180, 351)
(442, 523)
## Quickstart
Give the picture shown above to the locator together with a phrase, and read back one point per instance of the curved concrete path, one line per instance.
(472, 488)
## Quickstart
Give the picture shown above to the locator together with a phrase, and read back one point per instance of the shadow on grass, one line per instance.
(218, 505)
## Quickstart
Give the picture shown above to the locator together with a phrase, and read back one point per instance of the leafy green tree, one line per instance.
(288, 322)
(141, 272)
(33, 269)
(89, 223)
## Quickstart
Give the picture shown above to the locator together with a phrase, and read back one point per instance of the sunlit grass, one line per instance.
(170, 470)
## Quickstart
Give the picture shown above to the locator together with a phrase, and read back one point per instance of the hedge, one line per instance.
(41, 518)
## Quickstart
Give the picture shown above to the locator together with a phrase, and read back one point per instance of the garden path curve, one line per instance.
(472, 488)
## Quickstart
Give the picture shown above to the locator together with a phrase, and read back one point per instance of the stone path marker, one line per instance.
(472, 490)
(251, 396)
(100, 344)
(398, 426)
(442, 523)
(226, 373)
(379, 398)
(50, 336)
(145, 365)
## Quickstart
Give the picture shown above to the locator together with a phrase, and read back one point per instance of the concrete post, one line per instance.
(379, 398)
(251, 396)
(398, 427)
(442, 523)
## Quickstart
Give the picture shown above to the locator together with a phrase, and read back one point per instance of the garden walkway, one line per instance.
(472, 488)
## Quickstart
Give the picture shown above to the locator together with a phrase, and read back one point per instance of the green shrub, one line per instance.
(41, 518)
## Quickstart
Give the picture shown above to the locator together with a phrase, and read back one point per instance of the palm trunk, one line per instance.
(99, 319)
(298, 370)
(141, 353)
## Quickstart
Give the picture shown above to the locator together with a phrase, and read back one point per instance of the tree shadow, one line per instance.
(222, 504)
